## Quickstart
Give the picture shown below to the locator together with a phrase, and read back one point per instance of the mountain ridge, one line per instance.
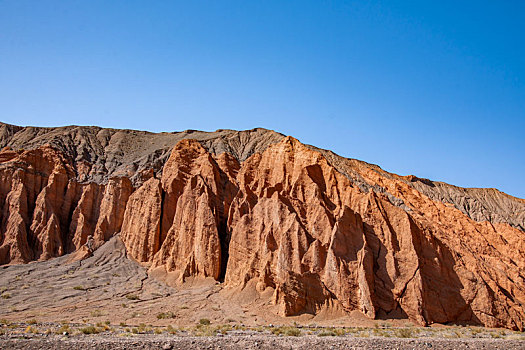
(4, 142)
(110, 160)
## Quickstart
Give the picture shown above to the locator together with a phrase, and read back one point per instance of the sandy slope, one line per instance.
(110, 286)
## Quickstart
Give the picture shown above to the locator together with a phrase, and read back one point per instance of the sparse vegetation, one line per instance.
(143, 328)
(286, 330)
(457, 334)
(404, 333)
(79, 288)
(339, 331)
(165, 315)
(170, 329)
(96, 313)
(239, 327)
(31, 329)
(204, 321)
(89, 330)
(132, 297)
(326, 333)
(6, 295)
(103, 326)
(383, 325)
(206, 329)
(475, 331)
(211, 327)
(63, 329)
(332, 332)
(363, 335)
(257, 329)
(381, 332)
(223, 329)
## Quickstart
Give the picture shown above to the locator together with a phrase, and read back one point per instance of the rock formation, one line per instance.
(256, 209)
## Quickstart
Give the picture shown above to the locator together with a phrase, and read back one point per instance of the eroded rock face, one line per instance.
(302, 228)
(316, 229)
(190, 235)
(46, 213)
(295, 224)
(141, 224)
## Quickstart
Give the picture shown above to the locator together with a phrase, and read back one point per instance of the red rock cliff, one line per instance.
(296, 224)
(317, 229)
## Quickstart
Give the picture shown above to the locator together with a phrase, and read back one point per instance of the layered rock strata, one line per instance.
(257, 209)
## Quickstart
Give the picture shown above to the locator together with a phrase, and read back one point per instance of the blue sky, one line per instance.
(435, 89)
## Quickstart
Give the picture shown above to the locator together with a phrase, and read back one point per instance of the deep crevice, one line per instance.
(224, 238)
(161, 219)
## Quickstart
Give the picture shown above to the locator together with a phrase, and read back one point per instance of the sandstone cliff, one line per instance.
(257, 209)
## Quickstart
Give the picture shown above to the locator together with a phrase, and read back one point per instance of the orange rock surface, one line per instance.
(316, 229)
(46, 212)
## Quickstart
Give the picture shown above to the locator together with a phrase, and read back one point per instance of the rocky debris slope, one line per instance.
(258, 210)
(480, 204)
(99, 154)
(107, 285)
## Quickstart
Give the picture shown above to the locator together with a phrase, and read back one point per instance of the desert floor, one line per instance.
(110, 302)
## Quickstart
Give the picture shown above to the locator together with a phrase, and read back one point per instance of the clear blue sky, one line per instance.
(431, 88)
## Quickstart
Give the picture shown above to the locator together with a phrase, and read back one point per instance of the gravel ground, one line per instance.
(244, 341)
